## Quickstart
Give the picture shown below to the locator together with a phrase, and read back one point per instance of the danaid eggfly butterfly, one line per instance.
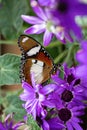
(35, 60)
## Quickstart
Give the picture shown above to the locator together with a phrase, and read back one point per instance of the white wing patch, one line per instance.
(25, 39)
(34, 51)
(37, 69)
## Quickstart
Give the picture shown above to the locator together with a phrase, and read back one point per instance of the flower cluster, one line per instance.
(57, 105)
(56, 18)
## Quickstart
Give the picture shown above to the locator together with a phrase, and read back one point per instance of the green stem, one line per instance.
(7, 42)
(54, 44)
(70, 52)
(59, 57)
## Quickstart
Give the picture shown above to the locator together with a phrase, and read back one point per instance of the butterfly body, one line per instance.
(35, 60)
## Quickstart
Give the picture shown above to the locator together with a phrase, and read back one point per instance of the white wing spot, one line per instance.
(37, 69)
(34, 51)
(33, 61)
(25, 39)
(40, 63)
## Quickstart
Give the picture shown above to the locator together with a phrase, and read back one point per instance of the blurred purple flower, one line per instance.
(81, 69)
(44, 3)
(8, 125)
(44, 23)
(35, 98)
(64, 13)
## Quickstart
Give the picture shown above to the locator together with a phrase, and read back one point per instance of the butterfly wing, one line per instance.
(34, 59)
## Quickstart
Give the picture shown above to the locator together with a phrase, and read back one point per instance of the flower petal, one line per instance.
(68, 37)
(69, 126)
(75, 119)
(76, 126)
(49, 104)
(47, 37)
(26, 97)
(44, 2)
(40, 13)
(56, 124)
(1, 126)
(82, 53)
(62, 39)
(81, 9)
(31, 19)
(76, 30)
(35, 29)
(33, 80)
(29, 103)
(81, 73)
(18, 125)
(48, 88)
(27, 87)
(45, 125)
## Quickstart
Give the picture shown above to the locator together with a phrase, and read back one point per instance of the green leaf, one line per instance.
(57, 51)
(15, 106)
(32, 124)
(10, 17)
(9, 69)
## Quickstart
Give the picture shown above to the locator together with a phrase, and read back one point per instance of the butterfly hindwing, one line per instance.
(34, 59)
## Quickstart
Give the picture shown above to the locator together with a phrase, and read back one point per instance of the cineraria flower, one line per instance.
(35, 97)
(64, 13)
(81, 69)
(8, 125)
(43, 23)
(70, 116)
(63, 118)
(70, 88)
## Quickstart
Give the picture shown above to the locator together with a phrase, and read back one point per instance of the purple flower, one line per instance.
(64, 13)
(44, 23)
(70, 89)
(8, 125)
(63, 118)
(70, 116)
(35, 98)
(81, 69)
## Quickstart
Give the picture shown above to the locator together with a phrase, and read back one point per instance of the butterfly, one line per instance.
(35, 59)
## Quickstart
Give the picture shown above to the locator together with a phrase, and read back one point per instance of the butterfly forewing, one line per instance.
(34, 60)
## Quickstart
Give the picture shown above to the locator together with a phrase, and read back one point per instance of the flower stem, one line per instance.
(7, 42)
